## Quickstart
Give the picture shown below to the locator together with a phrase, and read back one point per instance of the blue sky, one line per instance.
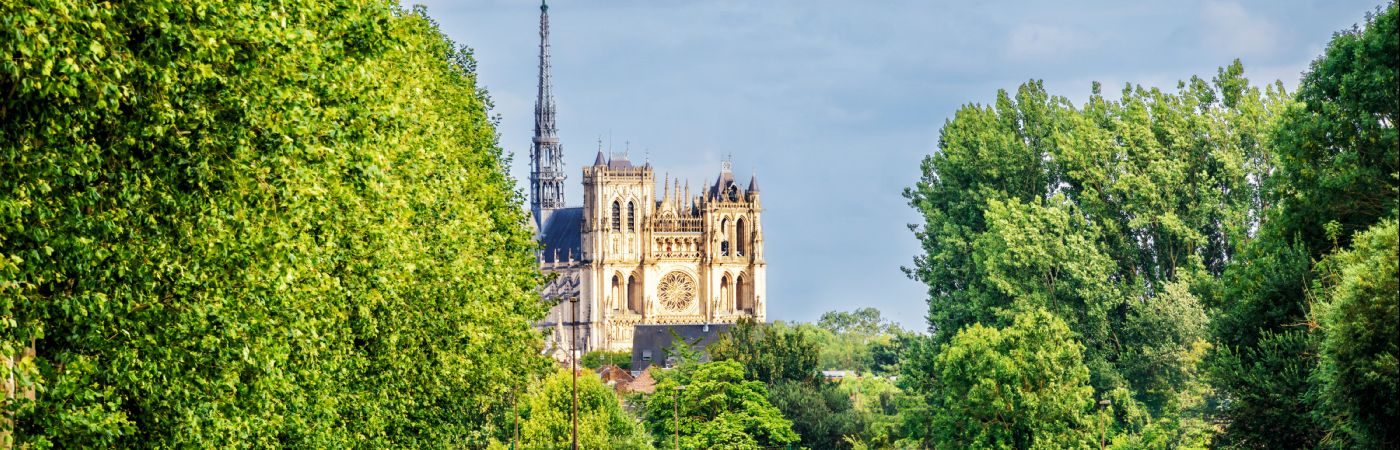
(834, 103)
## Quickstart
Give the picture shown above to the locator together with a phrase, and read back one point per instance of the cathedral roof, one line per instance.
(753, 183)
(619, 162)
(562, 235)
(599, 160)
(722, 184)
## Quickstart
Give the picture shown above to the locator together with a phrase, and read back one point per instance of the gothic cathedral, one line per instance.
(630, 257)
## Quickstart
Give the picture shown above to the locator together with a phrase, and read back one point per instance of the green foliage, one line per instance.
(768, 353)
(545, 416)
(876, 400)
(864, 321)
(599, 358)
(1024, 386)
(1359, 323)
(1116, 217)
(255, 225)
(718, 408)
(1338, 155)
(1338, 173)
(859, 340)
(821, 414)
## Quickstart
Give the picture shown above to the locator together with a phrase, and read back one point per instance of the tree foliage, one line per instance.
(254, 225)
(1117, 217)
(1338, 174)
(768, 353)
(1359, 324)
(718, 408)
(1024, 386)
(599, 358)
(546, 416)
(821, 414)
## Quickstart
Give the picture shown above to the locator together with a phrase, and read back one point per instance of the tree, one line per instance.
(1117, 216)
(599, 358)
(768, 353)
(876, 400)
(1359, 323)
(1024, 386)
(718, 409)
(1338, 173)
(255, 224)
(546, 421)
(821, 414)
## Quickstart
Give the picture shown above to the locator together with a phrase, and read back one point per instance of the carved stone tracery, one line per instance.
(676, 290)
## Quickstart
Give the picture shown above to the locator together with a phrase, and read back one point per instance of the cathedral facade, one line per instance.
(630, 256)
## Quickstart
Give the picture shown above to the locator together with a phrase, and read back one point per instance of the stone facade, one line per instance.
(632, 257)
(644, 260)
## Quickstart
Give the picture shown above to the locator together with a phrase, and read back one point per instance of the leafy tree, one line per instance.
(768, 353)
(785, 359)
(821, 414)
(546, 416)
(254, 224)
(865, 321)
(599, 358)
(876, 400)
(718, 409)
(1337, 174)
(1338, 151)
(1359, 322)
(1024, 386)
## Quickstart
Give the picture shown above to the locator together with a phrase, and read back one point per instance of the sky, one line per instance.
(834, 104)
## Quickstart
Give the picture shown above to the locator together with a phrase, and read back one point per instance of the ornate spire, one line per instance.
(546, 154)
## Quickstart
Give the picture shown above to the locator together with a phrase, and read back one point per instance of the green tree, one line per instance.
(1118, 217)
(1024, 386)
(876, 400)
(768, 353)
(821, 414)
(546, 416)
(599, 358)
(253, 224)
(1359, 323)
(718, 409)
(1337, 174)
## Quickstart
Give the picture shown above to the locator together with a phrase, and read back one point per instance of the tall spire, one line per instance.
(546, 154)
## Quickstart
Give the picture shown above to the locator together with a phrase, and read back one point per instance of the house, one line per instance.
(652, 343)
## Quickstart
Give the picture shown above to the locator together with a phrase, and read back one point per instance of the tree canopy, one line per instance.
(546, 416)
(254, 224)
(718, 408)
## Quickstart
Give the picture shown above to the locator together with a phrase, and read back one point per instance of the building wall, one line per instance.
(677, 237)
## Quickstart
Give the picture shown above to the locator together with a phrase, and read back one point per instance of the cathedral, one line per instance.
(629, 256)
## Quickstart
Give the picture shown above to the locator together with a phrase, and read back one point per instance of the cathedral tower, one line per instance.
(638, 253)
(546, 154)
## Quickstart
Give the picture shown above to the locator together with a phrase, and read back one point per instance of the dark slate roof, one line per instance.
(619, 163)
(650, 342)
(722, 184)
(753, 183)
(598, 161)
(563, 234)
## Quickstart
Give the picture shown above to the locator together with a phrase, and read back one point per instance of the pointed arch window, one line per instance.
(631, 217)
(616, 216)
(634, 294)
(617, 293)
(725, 298)
(741, 238)
(744, 289)
(724, 237)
